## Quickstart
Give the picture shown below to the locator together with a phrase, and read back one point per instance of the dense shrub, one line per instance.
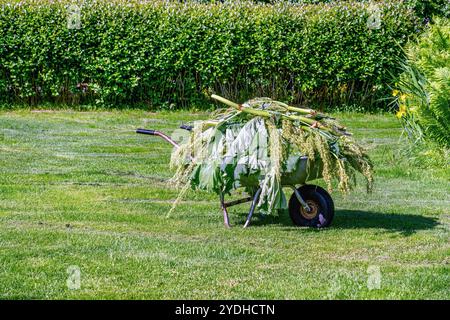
(425, 9)
(163, 54)
(424, 88)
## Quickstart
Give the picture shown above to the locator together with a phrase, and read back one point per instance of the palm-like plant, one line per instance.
(423, 97)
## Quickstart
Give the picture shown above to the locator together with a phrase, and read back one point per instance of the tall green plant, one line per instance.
(423, 97)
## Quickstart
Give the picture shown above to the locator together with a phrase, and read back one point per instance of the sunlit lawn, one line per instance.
(82, 190)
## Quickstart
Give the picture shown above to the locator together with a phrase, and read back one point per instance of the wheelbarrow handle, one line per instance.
(186, 127)
(146, 131)
(159, 134)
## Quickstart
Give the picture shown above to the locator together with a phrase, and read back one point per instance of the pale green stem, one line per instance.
(267, 114)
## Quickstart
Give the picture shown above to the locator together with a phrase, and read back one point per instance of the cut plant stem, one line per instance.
(268, 114)
(298, 110)
(226, 101)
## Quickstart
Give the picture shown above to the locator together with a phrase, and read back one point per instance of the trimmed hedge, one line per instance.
(171, 54)
(425, 9)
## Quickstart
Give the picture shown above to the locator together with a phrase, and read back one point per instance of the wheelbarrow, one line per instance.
(309, 205)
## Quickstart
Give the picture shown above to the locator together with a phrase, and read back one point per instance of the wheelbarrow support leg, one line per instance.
(226, 220)
(300, 199)
(252, 208)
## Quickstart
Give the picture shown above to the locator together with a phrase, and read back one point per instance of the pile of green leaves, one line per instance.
(262, 143)
(171, 54)
(423, 93)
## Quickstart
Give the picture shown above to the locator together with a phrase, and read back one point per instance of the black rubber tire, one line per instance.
(324, 193)
(324, 206)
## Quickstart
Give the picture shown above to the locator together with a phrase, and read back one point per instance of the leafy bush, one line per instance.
(429, 8)
(425, 9)
(423, 97)
(159, 53)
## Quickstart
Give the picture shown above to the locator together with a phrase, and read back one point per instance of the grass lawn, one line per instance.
(82, 191)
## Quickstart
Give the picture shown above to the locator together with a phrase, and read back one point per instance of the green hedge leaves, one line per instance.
(171, 55)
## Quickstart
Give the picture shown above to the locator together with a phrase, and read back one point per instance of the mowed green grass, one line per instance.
(82, 190)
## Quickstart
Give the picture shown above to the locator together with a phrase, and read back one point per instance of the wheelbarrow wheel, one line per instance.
(325, 194)
(321, 207)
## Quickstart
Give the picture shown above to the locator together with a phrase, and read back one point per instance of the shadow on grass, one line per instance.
(406, 224)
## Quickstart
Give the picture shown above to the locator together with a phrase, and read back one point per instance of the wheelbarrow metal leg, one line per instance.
(252, 208)
(300, 199)
(226, 220)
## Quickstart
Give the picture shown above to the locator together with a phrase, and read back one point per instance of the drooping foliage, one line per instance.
(268, 144)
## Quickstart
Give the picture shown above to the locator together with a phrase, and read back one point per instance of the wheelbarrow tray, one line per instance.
(298, 171)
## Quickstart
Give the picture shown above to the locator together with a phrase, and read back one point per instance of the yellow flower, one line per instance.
(403, 97)
(400, 114)
(401, 111)
(395, 93)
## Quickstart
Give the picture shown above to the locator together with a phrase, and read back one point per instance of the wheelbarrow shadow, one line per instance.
(406, 224)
